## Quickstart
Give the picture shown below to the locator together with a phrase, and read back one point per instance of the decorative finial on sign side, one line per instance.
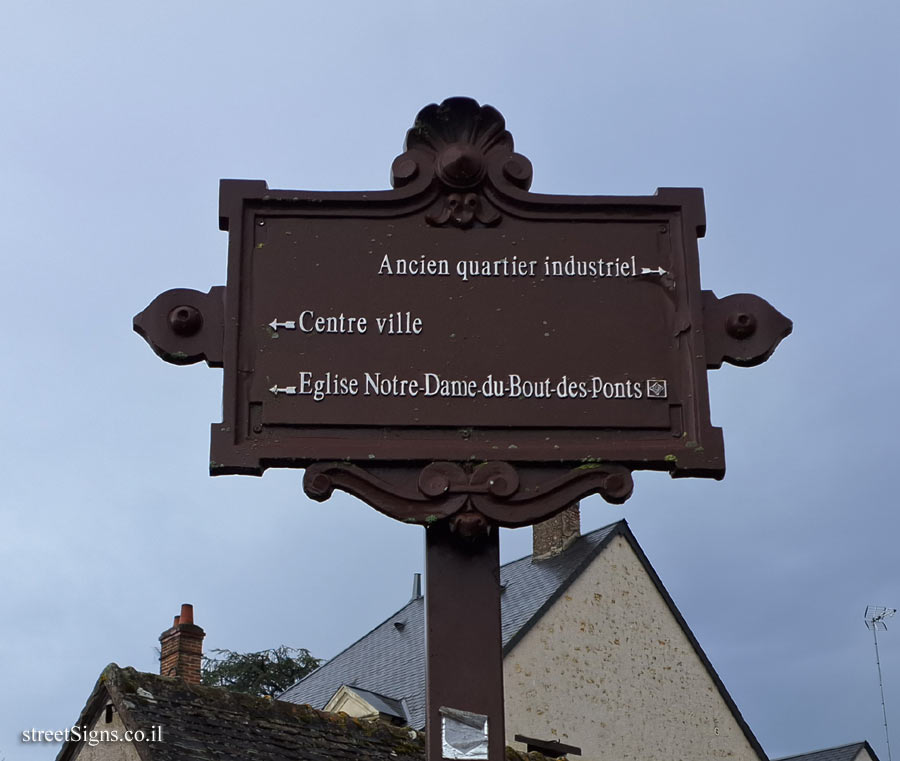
(741, 329)
(185, 326)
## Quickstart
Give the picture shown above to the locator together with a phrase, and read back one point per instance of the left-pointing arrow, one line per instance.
(287, 325)
(290, 390)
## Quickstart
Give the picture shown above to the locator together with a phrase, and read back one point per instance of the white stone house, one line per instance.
(597, 658)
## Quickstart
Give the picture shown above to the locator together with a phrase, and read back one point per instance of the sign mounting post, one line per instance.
(461, 353)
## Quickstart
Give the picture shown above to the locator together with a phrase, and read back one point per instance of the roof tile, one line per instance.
(210, 723)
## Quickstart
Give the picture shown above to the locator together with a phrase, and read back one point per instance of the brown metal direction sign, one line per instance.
(461, 353)
(459, 319)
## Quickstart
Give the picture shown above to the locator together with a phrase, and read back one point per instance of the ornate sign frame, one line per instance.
(619, 384)
(461, 353)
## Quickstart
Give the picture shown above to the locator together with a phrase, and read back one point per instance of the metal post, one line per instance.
(887, 737)
(464, 662)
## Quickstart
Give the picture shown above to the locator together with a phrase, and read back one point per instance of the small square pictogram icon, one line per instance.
(657, 389)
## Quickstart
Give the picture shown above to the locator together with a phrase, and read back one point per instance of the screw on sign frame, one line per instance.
(464, 354)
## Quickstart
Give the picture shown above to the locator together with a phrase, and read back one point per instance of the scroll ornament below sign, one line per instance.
(460, 156)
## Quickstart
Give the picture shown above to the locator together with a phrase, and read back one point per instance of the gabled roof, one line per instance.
(840, 753)
(390, 659)
(213, 724)
(205, 723)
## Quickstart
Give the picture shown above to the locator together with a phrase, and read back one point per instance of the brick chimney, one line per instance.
(181, 651)
(554, 535)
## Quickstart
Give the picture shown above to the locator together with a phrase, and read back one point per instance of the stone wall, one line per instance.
(608, 669)
(106, 749)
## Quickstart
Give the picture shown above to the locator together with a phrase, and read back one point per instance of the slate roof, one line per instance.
(841, 753)
(211, 723)
(390, 659)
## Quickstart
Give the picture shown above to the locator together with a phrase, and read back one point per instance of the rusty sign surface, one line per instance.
(459, 318)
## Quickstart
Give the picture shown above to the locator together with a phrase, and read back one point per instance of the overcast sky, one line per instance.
(119, 119)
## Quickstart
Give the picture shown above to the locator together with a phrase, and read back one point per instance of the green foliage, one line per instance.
(266, 673)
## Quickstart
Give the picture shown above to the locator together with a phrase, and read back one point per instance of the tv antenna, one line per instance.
(875, 617)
